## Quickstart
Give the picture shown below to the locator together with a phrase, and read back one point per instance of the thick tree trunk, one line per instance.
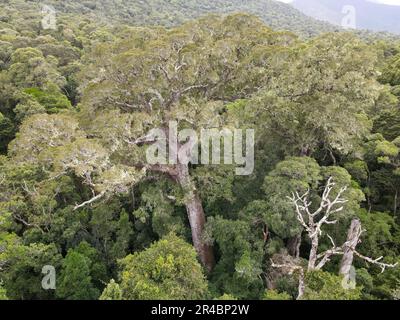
(305, 151)
(353, 237)
(313, 253)
(196, 216)
(302, 285)
(293, 246)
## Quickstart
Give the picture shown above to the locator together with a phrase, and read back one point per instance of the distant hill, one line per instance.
(369, 15)
(277, 15)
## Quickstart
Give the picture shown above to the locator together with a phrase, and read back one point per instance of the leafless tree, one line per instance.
(313, 221)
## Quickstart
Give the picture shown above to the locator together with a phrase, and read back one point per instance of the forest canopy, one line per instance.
(76, 193)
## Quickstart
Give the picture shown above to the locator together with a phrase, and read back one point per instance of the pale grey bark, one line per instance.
(293, 246)
(312, 260)
(353, 238)
(302, 285)
(196, 216)
(179, 173)
(313, 222)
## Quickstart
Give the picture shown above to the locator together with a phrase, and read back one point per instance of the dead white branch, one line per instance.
(377, 262)
(313, 223)
(95, 198)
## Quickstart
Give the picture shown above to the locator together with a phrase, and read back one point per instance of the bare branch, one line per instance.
(165, 72)
(327, 254)
(177, 94)
(95, 198)
(314, 221)
(313, 225)
(27, 224)
(27, 190)
(296, 198)
(377, 262)
(158, 96)
(142, 140)
(290, 267)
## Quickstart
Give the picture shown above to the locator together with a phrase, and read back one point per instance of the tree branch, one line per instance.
(95, 198)
(27, 224)
(376, 261)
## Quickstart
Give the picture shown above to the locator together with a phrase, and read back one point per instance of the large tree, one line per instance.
(322, 98)
(151, 79)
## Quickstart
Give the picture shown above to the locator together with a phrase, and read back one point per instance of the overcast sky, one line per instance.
(393, 2)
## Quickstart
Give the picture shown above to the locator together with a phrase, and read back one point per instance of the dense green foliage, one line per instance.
(3, 293)
(73, 101)
(172, 13)
(327, 286)
(168, 269)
